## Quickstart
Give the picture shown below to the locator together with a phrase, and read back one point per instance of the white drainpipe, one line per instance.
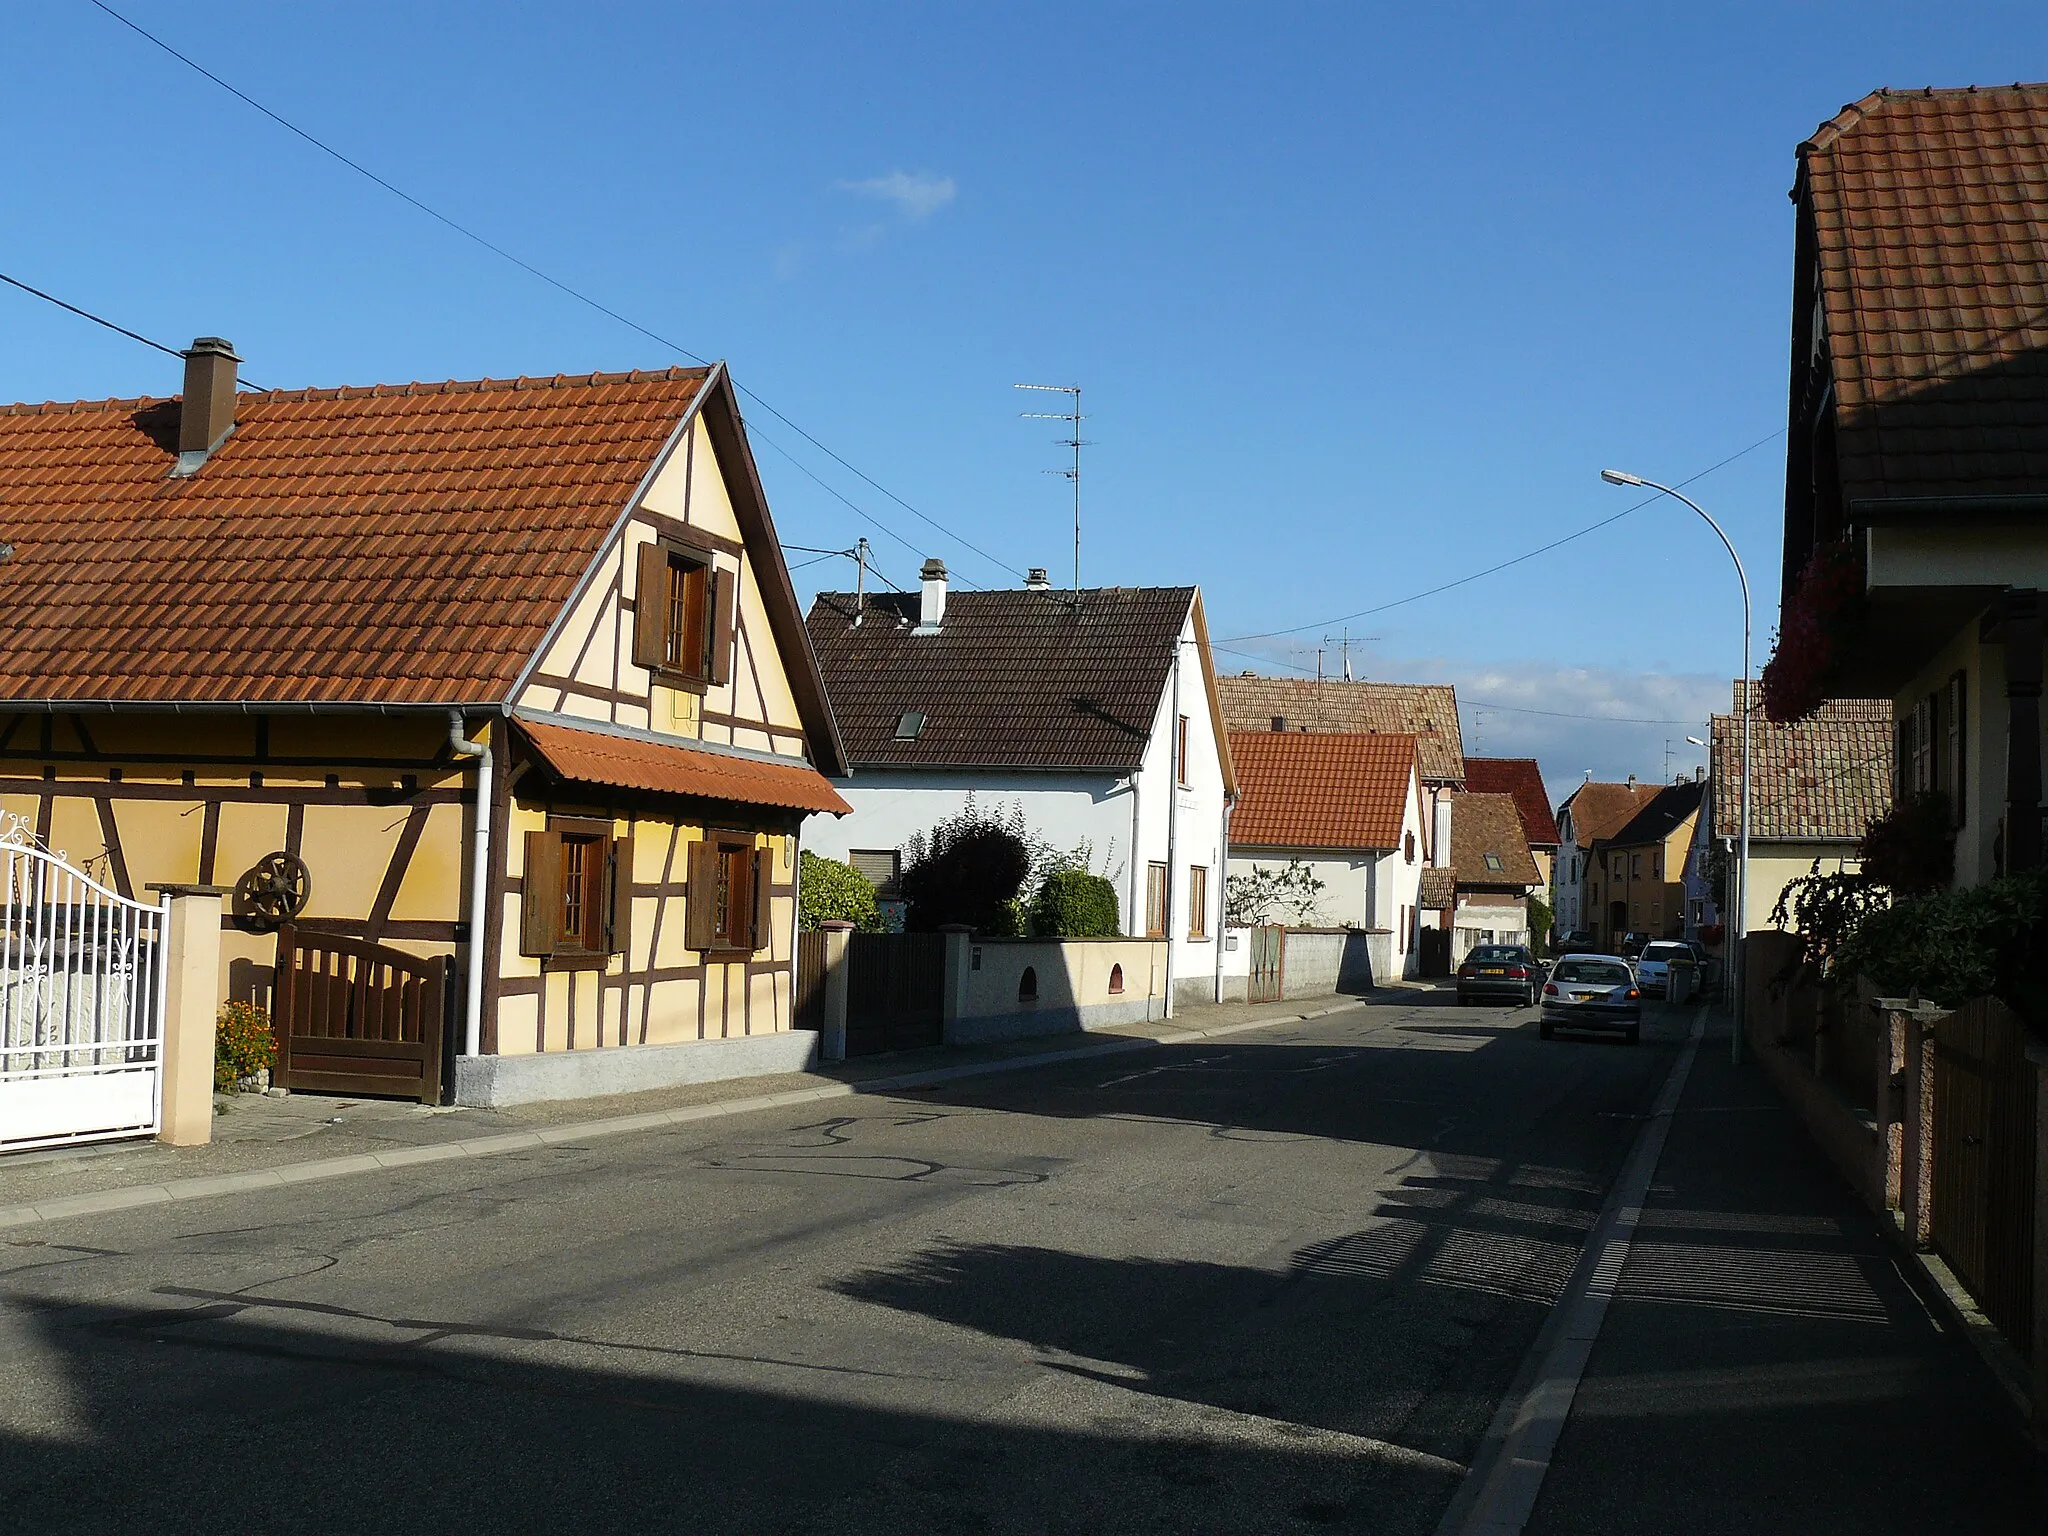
(479, 883)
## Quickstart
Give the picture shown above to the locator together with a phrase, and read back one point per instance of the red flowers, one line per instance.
(1812, 630)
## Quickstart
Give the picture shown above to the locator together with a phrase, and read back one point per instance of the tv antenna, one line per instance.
(1073, 419)
(1343, 642)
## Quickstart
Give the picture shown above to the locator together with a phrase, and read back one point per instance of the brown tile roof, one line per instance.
(1669, 809)
(1489, 824)
(1522, 778)
(1437, 888)
(1426, 711)
(623, 762)
(1819, 779)
(393, 545)
(1931, 223)
(1323, 791)
(1012, 679)
(1600, 810)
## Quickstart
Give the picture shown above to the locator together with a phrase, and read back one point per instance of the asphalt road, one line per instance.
(1273, 1283)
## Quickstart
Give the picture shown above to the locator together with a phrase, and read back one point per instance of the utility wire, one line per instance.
(553, 282)
(86, 314)
(1544, 549)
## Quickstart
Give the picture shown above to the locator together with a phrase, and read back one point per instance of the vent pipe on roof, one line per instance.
(931, 604)
(1037, 579)
(206, 412)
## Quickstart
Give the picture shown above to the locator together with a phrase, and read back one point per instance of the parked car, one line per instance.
(1632, 944)
(1592, 992)
(1653, 965)
(1574, 941)
(1502, 971)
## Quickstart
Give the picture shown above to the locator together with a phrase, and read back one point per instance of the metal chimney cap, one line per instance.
(212, 346)
(934, 570)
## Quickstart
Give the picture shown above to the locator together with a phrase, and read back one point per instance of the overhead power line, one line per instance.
(1495, 569)
(86, 314)
(556, 283)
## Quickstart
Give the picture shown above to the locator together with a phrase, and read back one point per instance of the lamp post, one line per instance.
(1739, 977)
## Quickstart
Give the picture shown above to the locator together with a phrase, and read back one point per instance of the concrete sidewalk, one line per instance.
(1772, 1362)
(262, 1142)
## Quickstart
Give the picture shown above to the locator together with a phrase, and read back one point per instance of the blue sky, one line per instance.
(1362, 297)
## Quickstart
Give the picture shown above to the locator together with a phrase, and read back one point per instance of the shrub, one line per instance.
(1540, 920)
(830, 891)
(1912, 847)
(967, 869)
(243, 1044)
(1074, 904)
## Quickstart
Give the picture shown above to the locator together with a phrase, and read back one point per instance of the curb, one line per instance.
(1960, 1310)
(211, 1186)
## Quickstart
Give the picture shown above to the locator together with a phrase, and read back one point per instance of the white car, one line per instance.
(1653, 965)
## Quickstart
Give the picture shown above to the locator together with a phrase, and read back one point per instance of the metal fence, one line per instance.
(81, 1003)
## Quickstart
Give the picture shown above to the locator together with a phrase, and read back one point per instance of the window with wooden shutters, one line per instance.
(1155, 901)
(682, 615)
(1956, 768)
(728, 896)
(575, 893)
(1198, 901)
(1180, 751)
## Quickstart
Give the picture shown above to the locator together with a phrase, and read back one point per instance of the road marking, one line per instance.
(1499, 1494)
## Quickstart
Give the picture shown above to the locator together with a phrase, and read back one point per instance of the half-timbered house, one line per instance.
(489, 704)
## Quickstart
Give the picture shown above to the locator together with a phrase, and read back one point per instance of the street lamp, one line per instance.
(1739, 977)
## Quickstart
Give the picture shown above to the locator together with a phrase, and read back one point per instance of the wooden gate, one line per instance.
(353, 1017)
(1983, 1208)
(1269, 964)
(1434, 958)
(810, 981)
(895, 991)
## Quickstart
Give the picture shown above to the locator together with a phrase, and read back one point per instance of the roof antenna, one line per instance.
(1073, 418)
(860, 585)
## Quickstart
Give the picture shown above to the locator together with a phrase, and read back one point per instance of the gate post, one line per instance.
(832, 1026)
(1916, 1173)
(191, 1002)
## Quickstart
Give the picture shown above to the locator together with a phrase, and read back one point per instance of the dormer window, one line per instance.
(910, 725)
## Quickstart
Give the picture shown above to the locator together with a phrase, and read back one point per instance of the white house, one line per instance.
(1346, 806)
(1094, 712)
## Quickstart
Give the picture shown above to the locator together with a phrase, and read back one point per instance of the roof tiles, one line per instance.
(1931, 225)
(622, 762)
(1336, 790)
(1487, 830)
(1426, 711)
(1820, 779)
(387, 545)
(1523, 779)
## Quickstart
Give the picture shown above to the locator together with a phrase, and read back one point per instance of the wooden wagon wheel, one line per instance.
(272, 891)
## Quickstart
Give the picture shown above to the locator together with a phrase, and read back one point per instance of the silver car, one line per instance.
(1592, 992)
(1653, 965)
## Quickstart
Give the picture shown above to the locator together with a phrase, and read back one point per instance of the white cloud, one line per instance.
(914, 196)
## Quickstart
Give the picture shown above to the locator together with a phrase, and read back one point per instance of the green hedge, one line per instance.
(835, 892)
(1074, 904)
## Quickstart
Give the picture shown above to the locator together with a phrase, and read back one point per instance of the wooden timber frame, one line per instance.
(352, 1017)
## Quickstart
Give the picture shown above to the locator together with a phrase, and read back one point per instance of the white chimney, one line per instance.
(931, 606)
(1037, 580)
(1440, 836)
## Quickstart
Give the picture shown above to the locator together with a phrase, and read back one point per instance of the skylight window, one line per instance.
(1493, 861)
(909, 725)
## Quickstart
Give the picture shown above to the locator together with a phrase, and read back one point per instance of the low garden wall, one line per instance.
(1322, 961)
(1004, 989)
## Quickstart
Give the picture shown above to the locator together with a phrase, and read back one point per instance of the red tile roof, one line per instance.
(1426, 711)
(402, 544)
(1600, 809)
(1297, 790)
(1523, 779)
(624, 762)
(1930, 217)
(1484, 826)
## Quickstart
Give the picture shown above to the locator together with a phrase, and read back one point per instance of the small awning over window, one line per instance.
(657, 767)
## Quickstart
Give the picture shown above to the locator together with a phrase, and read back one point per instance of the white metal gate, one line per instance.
(82, 981)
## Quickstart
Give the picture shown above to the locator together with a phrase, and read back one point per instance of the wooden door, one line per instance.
(353, 1017)
(895, 991)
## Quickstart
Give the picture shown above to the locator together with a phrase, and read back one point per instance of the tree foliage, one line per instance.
(1912, 847)
(1295, 893)
(967, 869)
(1540, 920)
(830, 891)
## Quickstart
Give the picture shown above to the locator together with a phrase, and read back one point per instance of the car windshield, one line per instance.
(1494, 954)
(1605, 973)
(1667, 952)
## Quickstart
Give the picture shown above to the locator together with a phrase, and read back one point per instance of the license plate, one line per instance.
(1492, 970)
(1584, 997)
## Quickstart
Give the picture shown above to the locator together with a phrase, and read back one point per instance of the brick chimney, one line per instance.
(206, 414)
(931, 603)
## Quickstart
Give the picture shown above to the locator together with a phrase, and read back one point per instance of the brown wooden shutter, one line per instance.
(723, 590)
(540, 899)
(650, 608)
(702, 892)
(620, 928)
(764, 877)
